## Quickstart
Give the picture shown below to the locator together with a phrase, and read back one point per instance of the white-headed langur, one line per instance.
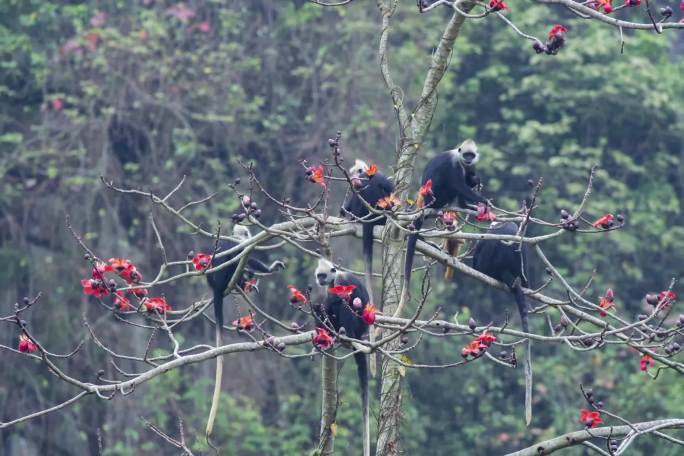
(506, 262)
(449, 176)
(219, 282)
(338, 312)
(371, 186)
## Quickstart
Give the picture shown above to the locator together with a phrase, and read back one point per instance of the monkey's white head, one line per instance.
(241, 232)
(467, 153)
(359, 168)
(325, 273)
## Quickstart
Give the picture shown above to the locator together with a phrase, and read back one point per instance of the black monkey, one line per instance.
(372, 188)
(452, 176)
(338, 313)
(507, 262)
(219, 281)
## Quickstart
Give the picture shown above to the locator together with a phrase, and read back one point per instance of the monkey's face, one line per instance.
(241, 233)
(467, 154)
(360, 167)
(325, 273)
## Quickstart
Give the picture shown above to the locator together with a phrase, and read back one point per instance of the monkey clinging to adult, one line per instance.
(506, 261)
(449, 176)
(339, 312)
(219, 281)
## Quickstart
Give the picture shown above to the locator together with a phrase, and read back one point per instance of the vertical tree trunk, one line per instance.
(329, 404)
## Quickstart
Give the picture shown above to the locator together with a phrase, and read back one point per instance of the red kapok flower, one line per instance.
(590, 419)
(139, 292)
(157, 303)
(486, 339)
(202, 262)
(555, 30)
(369, 313)
(607, 302)
(342, 291)
(57, 104)
(646, 362)
(94, 287)
(605, 4)
(322, 339)
(426, 189)
(121, 302)
(666, 298)
(245, 323)
(604, 222)
(316, 175)
(389, 202)
(296, 295)
(484, 213)
(250, 285)
(497, 5)
(474, 349)
(99, 270)
(681, 5)
(372, 171)
(119, 264)
(26, 345)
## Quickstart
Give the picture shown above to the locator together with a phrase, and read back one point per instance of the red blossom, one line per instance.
(118, 265)
(296, 295)
(605, 4)
(607, 302)
(486, 339)
(322, 339)
(121, 302)
(555, 30)
(94, 287)
(474, 349)
(99, 270)
(369, 313)
(157, 303)
(139, 292)
(317, 175)
(26, 345)
(590, 419)
(342, 291)
(372, 171)
(646, 362)
(389, 202)
(484, 213)
(250, 285)
(681, 5)
(497, 5)
(666, 298)
(202, 262)
(245, 323)
(604, 222)
(57, 104)
(426, 189)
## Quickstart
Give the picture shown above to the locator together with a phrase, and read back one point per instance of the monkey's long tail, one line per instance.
(368, 274)
(361, 367)
(522, 308)
(408, 266)
(218, 315)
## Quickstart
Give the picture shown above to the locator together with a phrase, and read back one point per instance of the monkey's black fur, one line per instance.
(452, 179)
(373, 188)
(507, 263)
(337, 313)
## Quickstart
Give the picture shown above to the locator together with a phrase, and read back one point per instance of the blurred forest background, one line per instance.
(144, 92)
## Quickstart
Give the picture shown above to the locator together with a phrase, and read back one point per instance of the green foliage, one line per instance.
(154, 99)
